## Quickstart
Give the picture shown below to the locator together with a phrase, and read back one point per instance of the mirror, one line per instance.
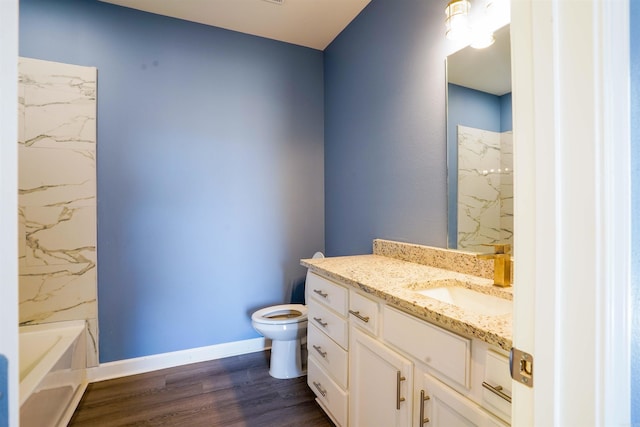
(480, 145)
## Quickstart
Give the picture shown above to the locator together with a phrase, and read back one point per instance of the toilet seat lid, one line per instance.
(281, 314)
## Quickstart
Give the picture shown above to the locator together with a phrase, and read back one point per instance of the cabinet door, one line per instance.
(444, 407)
(380, 384)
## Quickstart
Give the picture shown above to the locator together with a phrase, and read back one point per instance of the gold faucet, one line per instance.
(501, 264)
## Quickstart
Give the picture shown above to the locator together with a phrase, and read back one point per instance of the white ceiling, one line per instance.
(487, 70)
(310, 23)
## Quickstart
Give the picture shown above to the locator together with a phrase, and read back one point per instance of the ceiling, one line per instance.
(487, 70)
(310, 23)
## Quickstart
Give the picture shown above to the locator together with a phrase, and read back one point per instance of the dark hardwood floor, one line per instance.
(236, 391)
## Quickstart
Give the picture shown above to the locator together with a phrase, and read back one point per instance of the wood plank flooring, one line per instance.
(231, 392)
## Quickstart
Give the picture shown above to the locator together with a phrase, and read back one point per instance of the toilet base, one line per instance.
(286, 359)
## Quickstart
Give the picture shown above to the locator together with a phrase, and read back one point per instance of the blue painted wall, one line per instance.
(635, 209)
(210, 170)
(473, 108)
(385, 142)
(506, 113)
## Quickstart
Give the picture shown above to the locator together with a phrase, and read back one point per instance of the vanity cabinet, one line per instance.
(371, 364)
(447, 354)
(496, 384)
(449, 373)
(380, 383)
(327, 344)
(440, 406)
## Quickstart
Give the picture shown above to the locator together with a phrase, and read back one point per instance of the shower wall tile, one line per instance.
(92, 342)
(57, 195)
(50, 177)
(485, 188)
(21, 113)
(59, 104)
(54, 293)
(57, 235)
(506, 187)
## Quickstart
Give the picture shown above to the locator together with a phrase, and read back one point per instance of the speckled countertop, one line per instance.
(393, 279)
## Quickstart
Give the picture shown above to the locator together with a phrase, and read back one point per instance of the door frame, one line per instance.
(570, 72)
(572, 275)
(9, 197)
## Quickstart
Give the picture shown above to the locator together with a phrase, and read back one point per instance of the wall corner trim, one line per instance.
(140, 365)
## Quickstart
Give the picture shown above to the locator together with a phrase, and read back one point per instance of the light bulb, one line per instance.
(457, 12)
(482, 40)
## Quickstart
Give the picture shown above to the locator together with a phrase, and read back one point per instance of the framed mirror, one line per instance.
(480, 145)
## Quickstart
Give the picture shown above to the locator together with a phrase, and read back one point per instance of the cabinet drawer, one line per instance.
(328, 293)
(328, 354)
(363, 312)
(496, 376)
(330, 323)
(446, 353)
(332, 397)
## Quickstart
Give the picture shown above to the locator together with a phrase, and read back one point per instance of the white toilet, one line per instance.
(286, 326)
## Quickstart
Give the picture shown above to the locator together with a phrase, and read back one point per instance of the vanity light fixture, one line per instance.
(482, 33)
(482, 40)
(475, 28)
(457, 12)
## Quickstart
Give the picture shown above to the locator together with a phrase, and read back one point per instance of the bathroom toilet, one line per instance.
(286, 326)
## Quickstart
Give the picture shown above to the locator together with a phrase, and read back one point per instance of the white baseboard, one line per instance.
(139, 365)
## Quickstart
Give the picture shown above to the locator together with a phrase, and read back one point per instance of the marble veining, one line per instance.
(58, 103)
(485, 188)
(393, 280)
(57, 195)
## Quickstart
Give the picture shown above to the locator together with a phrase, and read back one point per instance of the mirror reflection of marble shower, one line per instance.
(485, 188)
(57, 195)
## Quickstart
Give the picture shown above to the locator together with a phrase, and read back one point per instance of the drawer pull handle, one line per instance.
(320, 389)
(319, 320)
(322, 294)
(423, 398)
(319, 350)
(365, 319)
(399, 379)
(496, 390)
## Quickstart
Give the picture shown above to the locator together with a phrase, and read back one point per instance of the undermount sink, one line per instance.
(469, 300)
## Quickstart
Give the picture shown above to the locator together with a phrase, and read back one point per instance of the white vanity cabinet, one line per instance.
(438, 405)
(447, 354)
(371, 364)
(380, 379)
(449, 372)
(380, 383)
(327, 345)
(496, 384)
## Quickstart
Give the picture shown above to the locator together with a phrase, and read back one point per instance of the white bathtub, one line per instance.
(52, 372)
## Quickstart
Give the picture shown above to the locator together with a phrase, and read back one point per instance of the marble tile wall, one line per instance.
(506, 187)
(57, 195)
(485, 188)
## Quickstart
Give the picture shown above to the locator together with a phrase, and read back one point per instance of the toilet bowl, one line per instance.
(285, 325)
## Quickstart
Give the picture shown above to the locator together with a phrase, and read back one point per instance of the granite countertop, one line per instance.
(392, 280)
